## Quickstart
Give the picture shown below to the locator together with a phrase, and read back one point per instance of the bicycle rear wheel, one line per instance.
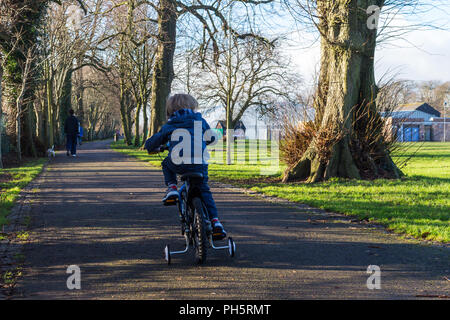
(200, 237)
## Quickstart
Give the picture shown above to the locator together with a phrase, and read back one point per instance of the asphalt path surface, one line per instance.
(102, 212)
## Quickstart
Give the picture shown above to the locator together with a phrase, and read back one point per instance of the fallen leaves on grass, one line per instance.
(425, 235)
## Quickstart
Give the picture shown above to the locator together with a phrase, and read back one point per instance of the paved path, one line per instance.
(102, 211)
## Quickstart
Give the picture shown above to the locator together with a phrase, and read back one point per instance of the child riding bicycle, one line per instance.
(185, 123)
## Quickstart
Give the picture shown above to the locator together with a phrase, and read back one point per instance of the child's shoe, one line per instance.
(171, 196)
(219, 232)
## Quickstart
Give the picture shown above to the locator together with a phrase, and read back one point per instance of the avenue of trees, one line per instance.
(116, 62)
(51, 61)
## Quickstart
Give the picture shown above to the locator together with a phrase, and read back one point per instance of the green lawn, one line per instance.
(12, 181)
(418, 205)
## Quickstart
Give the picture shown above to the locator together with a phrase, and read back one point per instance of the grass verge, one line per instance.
(12, 181)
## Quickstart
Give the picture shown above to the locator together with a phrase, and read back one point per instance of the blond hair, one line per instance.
(180, 101)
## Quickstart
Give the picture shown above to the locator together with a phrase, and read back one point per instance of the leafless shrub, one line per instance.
(296, 137)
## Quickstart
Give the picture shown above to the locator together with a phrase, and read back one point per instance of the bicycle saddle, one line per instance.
(191, 175)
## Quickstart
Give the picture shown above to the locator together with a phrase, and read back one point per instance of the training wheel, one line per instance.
(167, 254)
(231, 247)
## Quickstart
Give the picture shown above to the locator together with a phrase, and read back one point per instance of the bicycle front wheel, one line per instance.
(200, 237)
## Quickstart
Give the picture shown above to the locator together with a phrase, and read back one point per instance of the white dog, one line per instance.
(51, 152)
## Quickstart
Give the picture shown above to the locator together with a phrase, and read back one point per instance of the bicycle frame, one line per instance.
(187, 192)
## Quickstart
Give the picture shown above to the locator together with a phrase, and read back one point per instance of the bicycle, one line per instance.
(195, 224)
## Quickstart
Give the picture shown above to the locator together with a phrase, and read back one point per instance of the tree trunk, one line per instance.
(20, 83)
(145, 125)
(137, 136)
(349, 142)
(31, 129)
(125, 110)
(24, 34)
(39, 115)
(24, 114)
(65, 105)
(50, 110)
(163, 70)
(79, 91)
(229, 136)
(19, 130)
(43, 134)
(1, 115)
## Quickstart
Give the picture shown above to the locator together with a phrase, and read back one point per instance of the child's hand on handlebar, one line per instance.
(153, 151)
(158, 150)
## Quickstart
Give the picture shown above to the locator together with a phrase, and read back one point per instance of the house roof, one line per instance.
(239, 124)
(419, 106)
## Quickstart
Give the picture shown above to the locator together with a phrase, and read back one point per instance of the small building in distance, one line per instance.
(239, 129)
(418, 122)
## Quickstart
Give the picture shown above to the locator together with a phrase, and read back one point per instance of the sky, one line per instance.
(419, 55)
(430, 60)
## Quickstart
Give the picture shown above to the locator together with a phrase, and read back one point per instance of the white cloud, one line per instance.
(424, 56)
(428, 60)
(419, 55)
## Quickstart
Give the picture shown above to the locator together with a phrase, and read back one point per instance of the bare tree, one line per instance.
(164, 15)
(70, 43)
(18, 34)
(348, 123)
(27, 72)
(133, 52)
(434, 92)
(64, 38)
(210, 15)
(142, 58)
(254, 76)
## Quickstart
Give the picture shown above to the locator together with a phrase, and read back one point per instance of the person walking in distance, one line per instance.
(71, 131)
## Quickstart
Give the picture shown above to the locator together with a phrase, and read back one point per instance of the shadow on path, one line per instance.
(102, 211)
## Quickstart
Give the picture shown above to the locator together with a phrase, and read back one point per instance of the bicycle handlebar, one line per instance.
(159, 149)
(164, 148)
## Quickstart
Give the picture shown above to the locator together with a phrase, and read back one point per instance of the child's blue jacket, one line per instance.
(182, 119)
